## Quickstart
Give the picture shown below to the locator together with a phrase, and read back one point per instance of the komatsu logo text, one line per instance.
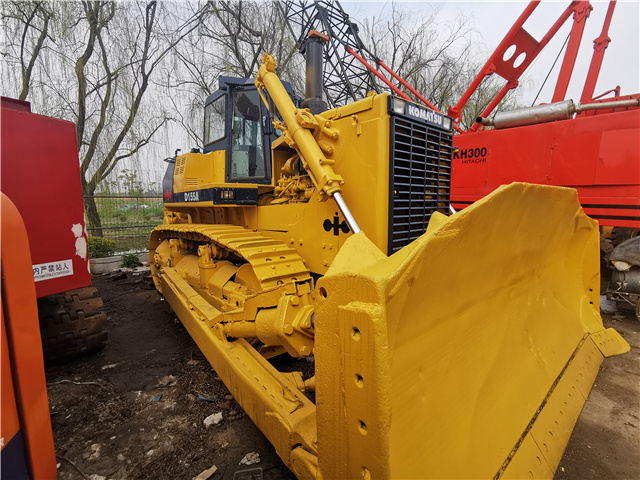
(423, 113)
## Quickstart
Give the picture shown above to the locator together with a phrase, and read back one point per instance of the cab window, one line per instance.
(247, 150)
(215, 120)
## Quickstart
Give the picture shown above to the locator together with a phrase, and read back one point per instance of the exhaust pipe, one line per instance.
(311, 48)
(549, 113)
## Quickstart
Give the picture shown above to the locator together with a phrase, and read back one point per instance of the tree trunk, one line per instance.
(94, 224)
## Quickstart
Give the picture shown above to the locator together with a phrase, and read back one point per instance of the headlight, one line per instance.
(398, 106)
(227, 195)
(447, 123)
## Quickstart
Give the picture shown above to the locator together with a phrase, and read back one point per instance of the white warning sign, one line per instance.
(46, 271)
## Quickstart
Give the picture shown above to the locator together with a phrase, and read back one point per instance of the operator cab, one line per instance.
(238, 127)
(237, 122)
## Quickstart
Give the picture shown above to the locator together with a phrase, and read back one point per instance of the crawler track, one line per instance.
(272, 260)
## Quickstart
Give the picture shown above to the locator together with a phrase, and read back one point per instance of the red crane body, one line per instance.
(597, 151)
(597, 155)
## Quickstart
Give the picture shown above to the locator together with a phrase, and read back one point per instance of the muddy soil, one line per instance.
(136, 409)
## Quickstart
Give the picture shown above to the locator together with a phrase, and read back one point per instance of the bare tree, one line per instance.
(28, 22)
(438, 60)
(249, 29)
(100, 74)
(230, 43)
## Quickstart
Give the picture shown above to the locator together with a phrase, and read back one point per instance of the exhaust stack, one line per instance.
(550, 112)
(311, 48)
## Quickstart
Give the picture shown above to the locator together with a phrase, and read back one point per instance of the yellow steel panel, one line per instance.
(361, 156)
(488, 334)
(351, 109)
(219, 166)
(471, 326)
(610, 342)
(362, 413)
(530, 465)
(583, 369)
(553, 427)
(195, 171)
(362, 159)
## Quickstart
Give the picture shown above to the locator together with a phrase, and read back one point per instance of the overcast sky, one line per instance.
(492, 20)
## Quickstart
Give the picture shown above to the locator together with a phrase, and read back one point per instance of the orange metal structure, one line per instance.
(27, 437)
(527, 48)
(592, 146)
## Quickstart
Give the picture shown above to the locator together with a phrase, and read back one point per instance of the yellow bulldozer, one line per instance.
(459, 346)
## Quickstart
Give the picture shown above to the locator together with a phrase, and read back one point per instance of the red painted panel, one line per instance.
(14, 103)
(598, 155)
(467, 170)
(619, 159)
(524, 43)
(40, 173)
(574, 159)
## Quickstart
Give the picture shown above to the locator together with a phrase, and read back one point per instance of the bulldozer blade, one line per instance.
(467, 354)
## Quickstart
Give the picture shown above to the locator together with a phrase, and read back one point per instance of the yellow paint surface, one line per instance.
(462, 336)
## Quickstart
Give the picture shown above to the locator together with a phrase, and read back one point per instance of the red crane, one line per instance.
(592, 146)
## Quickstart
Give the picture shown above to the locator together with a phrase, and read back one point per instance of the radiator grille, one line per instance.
(420, 178)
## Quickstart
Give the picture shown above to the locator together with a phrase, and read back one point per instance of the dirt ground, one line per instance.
(136, 409)
(605, 443)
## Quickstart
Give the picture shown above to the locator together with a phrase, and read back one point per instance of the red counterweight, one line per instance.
(40, 174)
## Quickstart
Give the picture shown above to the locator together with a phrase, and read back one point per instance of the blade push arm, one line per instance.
(298, 127)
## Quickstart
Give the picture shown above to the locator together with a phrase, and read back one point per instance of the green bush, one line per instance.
(101, 247)
(130, 260)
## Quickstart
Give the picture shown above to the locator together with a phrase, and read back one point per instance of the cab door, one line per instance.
(235, 120)
(248, 157)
